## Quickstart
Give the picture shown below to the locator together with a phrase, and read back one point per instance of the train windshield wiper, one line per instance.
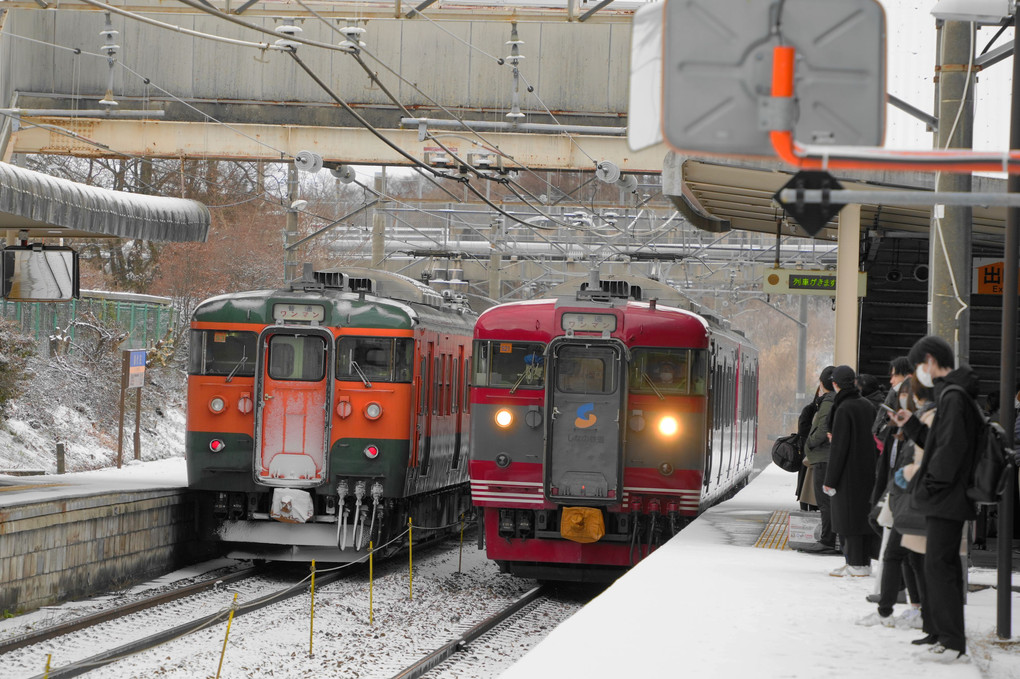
(244, 359)
(518, 382)
(361, 374)
(652, 385)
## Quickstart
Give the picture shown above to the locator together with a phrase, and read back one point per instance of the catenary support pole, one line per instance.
(1007, 371)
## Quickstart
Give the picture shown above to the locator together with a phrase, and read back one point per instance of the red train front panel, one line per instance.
(594, 412)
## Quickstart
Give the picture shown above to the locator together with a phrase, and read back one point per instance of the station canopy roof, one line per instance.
(50, 207)
(720, 194)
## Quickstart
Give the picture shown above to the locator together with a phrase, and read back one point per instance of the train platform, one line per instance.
(727, 597)
(75, 535)
(165, 474)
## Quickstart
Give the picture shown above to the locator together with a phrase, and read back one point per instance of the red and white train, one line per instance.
(602, 422)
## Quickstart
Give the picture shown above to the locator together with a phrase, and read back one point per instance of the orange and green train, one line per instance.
(326, 414)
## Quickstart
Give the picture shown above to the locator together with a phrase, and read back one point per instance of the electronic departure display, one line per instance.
(298, 312)
(581, 322)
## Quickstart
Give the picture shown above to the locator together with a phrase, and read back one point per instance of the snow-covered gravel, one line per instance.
(274, 642)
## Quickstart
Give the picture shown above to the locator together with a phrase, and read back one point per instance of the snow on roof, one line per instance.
(50, 206)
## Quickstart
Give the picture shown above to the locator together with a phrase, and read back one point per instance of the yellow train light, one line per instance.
(668, 426)
(504, 418)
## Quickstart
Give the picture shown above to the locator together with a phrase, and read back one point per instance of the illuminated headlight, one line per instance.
(373, 411)
(217, 445)
(217, 404)
(668, 426)
(371, 451)
(504, 418)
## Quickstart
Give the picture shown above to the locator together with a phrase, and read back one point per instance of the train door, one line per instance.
(584, 439)
(294, 397)
(455, 400)
(713, 414)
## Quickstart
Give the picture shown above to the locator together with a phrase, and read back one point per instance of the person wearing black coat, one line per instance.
(939, 488)
(807, 414)
(850, 475)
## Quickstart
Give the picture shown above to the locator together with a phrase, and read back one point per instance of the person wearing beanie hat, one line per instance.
(816, 456)
(844, 376)
(850, 474)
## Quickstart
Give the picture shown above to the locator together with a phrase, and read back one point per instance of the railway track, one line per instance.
(54, 631)
(153, 640)
(445, 652)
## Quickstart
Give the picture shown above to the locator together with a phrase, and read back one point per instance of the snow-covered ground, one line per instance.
(709, 605)
(64, 403)
(275, 641)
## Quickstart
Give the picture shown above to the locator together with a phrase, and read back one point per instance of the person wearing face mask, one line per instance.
(816, 456)
(850, 475)
(938, 489)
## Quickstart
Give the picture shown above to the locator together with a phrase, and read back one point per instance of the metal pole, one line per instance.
(379, 224)
(290, 233)
(138, 424)
(950, 244)
(802, 350)
(125, 367)
(1007, 372)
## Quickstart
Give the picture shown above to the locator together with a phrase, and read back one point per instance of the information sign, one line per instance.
(807, 282)
(136, 369)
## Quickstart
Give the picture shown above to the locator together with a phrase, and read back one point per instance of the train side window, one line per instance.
(699, 371)
(222, 352)
(455, 389)
(435, 386)
(467, 385)
(480, 361)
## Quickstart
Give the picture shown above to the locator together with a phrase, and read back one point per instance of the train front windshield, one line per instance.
(510, 365)
(222, 352)
(668, 371)
(379, 359)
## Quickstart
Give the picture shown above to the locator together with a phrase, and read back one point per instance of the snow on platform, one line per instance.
(170, 473)
(710, 604)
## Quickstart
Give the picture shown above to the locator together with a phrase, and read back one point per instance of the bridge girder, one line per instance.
(90, 137)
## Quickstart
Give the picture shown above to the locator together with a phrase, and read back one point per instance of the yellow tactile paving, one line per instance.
(776, 532)
(29, 486)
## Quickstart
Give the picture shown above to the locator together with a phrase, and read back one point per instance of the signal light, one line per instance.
(217, 445)
(668, 426)
(504, 418)
(371, 451)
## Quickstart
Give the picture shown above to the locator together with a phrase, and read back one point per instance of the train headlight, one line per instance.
(217, 404)
(668, 426)
(373, 411)
(504, 418)
(371, 451)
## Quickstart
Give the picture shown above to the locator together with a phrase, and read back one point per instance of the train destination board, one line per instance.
(298, 312)
(807, 282)
(581, 322)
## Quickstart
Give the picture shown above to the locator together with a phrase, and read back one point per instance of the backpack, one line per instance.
(988, 473)
(786, 453)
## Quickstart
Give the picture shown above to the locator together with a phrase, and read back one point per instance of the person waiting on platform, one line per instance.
(939, 489)
(816, 456)
(850, 474)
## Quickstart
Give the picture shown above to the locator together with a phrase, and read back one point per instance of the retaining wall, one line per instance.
(81, 546)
